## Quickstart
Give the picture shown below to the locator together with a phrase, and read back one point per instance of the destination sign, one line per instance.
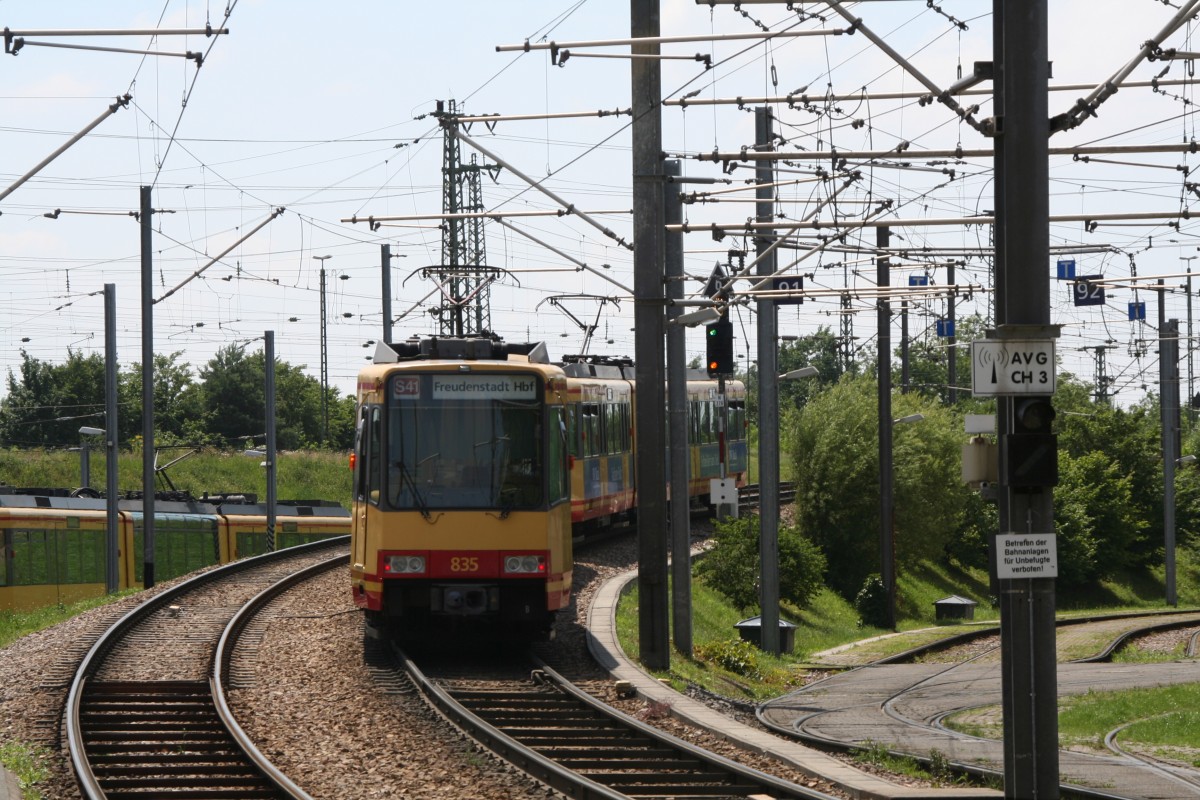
(484, 387)
(1012, 367)
(465, 387)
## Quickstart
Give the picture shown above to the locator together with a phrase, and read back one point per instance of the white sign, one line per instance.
(723, 492)
(980, 423)
(1012, 366)
(1026, 555)
(484, 387)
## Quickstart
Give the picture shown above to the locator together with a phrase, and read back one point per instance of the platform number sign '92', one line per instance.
(1087, 290)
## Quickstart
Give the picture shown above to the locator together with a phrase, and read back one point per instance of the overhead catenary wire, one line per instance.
(223, 253)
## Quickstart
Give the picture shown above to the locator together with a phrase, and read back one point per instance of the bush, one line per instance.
(871, 603)
(732, 565)
(732, 655)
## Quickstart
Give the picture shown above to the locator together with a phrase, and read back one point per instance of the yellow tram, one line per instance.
(476, 465)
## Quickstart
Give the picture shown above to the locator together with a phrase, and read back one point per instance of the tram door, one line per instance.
(368, 479)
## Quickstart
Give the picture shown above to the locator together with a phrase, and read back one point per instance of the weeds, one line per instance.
(28, 763)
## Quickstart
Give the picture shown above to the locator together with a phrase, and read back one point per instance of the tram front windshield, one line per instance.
(465, 441)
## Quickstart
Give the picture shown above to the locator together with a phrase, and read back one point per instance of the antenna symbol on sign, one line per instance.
(994, 359)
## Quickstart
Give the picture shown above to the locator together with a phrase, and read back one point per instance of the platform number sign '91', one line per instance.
(1088, 291)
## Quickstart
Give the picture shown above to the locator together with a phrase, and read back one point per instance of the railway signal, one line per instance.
(718, 337)
(1031, 450)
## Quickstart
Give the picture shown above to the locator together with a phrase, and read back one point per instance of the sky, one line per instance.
(326, 112)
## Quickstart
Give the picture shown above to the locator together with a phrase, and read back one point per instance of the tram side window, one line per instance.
(737, 420)
(374, 454)
(573, 430)
(612, 427)
(593, 442)
(6, 556)
(360, 455)
(693, 419)
(81, 556)
(39, 556)
(557, 476)
(184, 544)
(33, 556)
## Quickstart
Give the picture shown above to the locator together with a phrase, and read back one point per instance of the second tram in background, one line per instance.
(52, 543)
(479, 462)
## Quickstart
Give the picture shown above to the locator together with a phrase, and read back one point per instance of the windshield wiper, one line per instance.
(508, 501)
(406, 479)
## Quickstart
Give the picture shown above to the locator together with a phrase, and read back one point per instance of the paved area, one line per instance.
(10, 789)
(901, 706)
(602, 641)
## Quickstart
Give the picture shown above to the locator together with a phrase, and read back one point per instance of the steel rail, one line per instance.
(576, 785)
(89, 785)
(224, 655)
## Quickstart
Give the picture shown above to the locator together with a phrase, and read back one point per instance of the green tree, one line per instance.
(47, 403)
(818, 350)
(179, 415)
(231, 390)
(1098, 530)
(731, 566)
(928, 360)
(833, 442)
(1129, 440)
(233, 395)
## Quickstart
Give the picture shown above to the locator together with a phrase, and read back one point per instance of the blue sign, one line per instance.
(918, 280)
(1137, 311)
(789, 284)
(945, 327)
(1066, 269)
(1086, 293)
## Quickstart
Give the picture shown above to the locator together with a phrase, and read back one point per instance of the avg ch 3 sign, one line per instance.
(1012, 366)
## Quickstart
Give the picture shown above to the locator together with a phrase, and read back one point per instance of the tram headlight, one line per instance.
(403, 565)
(525, 565)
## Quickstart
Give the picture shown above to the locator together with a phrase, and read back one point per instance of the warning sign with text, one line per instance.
(1026, 555)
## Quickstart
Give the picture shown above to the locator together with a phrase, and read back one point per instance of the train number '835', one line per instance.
(464, 564)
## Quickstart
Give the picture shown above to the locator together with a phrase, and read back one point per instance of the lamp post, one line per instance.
(85, 461)
(324, 357)
(887, 512)
(768, 513)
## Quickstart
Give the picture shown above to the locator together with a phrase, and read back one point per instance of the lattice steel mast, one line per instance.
(463, 276)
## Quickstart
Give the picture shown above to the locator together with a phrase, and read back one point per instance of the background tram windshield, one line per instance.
(465, 441)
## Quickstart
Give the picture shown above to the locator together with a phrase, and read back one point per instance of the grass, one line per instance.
(1130, 654)
(721, 666)
(937, 772)
(28, 764)
(1164, 718)
(15, 624)
(759, 676)
(302, 474)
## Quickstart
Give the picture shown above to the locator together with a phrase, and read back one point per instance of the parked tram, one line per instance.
(53, 545)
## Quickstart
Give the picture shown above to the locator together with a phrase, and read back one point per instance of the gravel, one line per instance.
(306, 697)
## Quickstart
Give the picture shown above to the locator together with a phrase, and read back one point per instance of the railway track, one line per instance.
(146, 713)
(534, 718)
(904, 701)
(748, 496)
